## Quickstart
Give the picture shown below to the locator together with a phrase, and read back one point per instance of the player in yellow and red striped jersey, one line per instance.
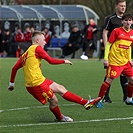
(40, 87)
(117, 57)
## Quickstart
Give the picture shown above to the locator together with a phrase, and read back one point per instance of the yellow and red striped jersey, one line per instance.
(30, 61)
(121, 41)
(31, 67)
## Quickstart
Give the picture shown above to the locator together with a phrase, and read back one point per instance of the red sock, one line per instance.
(74, 98)
(103, 89)
(130, 90)
(56, 112)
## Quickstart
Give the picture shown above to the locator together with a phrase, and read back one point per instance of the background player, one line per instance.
(111, 22)
(117, 57)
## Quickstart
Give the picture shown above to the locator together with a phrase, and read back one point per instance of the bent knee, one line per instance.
(57, 88)
(53, 100)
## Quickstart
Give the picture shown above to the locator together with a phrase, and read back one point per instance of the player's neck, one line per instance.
(119, 14)
(126, 29)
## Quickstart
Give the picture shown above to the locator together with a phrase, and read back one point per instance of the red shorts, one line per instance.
(42, 92)
(115, 71)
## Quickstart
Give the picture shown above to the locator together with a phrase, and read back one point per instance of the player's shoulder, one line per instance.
(118, 30)
(32, 48)
(131, 31)
(39, 49)
(110, 16)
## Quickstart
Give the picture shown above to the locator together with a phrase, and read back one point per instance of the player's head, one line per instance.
(127, 21)
(127, 16)
(120, 6)
(38, 38)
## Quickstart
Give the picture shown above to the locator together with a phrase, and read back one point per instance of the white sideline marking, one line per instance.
(59, 123)
(26, 108)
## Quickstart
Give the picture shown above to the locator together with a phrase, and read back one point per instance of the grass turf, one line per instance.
(20, 112)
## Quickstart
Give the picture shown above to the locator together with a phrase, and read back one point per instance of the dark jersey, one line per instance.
(111, 22)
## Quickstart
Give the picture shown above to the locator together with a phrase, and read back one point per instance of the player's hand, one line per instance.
(11, 86)
(68, 62)
(105, 63)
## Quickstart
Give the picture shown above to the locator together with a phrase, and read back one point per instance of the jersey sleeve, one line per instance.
(113, 36)
(15, 68)
(107, 23)
(41, 53)
(130, 54)
(106, 52)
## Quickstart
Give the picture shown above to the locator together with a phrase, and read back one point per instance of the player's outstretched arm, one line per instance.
(68, 62)
(17, 66)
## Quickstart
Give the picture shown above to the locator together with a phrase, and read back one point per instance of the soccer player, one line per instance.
(111, 22)
(40, 87)
(117, 57)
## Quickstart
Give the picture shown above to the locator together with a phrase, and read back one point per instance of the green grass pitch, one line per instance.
(21, 113)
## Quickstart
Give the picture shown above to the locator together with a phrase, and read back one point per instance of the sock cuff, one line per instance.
(65, 94)
(106, 84)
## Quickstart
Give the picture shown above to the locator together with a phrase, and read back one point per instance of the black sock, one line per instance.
(124, 83)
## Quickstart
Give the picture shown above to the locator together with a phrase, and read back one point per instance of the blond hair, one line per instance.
(35, 34)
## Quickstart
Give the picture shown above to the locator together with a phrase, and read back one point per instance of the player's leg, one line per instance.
(124, 83)
(69, 96)
(104, 87)
(128, 71)
(112, 72)
(43, 94)
(129, 100)
(106, 98)
(54, 108)
(47, 94)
